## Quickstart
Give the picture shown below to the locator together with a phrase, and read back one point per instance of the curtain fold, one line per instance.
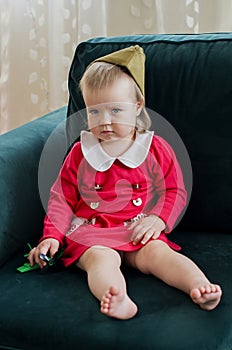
(38, 39)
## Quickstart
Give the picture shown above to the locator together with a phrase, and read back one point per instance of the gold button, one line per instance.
(94, 205)
(137, 202)
(136, 186)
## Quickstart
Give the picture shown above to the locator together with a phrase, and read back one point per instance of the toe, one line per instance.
(113, 291)
(195, 294)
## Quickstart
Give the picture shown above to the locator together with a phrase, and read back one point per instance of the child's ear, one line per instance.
(139, 107)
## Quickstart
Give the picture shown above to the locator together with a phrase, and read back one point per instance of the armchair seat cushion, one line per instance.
(56, 310)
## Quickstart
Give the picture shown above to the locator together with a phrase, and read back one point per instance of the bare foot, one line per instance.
(117, 304)
(207, 296)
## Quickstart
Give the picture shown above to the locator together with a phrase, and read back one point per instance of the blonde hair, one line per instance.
(100, 75)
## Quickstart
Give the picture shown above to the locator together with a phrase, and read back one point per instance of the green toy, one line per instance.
(27, 267)
(50, 262)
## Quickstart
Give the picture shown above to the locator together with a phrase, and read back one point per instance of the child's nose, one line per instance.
(106, 118)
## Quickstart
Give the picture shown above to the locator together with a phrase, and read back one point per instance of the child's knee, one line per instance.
(155, 249)
(151, 254)
(98, 255)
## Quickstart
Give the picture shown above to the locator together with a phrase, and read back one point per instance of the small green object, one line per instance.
(26, 266)
(29, 246)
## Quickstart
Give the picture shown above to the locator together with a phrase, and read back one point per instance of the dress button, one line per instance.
(136, 186)
(94, 205)
(137, 202)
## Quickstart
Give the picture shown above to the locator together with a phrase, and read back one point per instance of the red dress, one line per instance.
(95, 196)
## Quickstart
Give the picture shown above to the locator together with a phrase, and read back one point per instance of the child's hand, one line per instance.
(49, 245)
(149, 227)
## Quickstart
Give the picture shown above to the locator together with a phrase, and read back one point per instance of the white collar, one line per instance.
(101, 161)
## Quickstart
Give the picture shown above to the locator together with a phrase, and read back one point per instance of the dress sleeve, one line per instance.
(63, 199)
(171, 195)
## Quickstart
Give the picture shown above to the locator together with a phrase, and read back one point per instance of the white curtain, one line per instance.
(38, 39)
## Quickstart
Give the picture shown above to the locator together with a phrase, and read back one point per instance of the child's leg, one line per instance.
(106, 281)
(176, 270)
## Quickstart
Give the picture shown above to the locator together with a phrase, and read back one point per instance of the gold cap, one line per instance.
(132, 58)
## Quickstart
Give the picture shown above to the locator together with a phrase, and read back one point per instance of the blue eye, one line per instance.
(116, 110)
(93, 112)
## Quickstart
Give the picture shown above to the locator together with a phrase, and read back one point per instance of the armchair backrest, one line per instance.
(188, 82)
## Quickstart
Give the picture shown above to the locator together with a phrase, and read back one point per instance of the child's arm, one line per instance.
(169, 185)
(170, 192)
(64, 196)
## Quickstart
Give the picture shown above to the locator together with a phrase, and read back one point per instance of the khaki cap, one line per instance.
(132, 58)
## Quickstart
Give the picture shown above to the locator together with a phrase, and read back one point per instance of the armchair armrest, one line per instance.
(21, 211)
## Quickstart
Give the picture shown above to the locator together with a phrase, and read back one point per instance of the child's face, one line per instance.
(112, 111)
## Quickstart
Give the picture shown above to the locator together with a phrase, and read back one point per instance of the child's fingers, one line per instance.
(140, 229)
(31, 256)
(150, 235)
(144, 236)
(156, 235)
(54, 247)
(137, 230)
(133, 225)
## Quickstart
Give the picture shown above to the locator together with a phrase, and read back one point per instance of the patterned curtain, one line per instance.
(38, 39)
